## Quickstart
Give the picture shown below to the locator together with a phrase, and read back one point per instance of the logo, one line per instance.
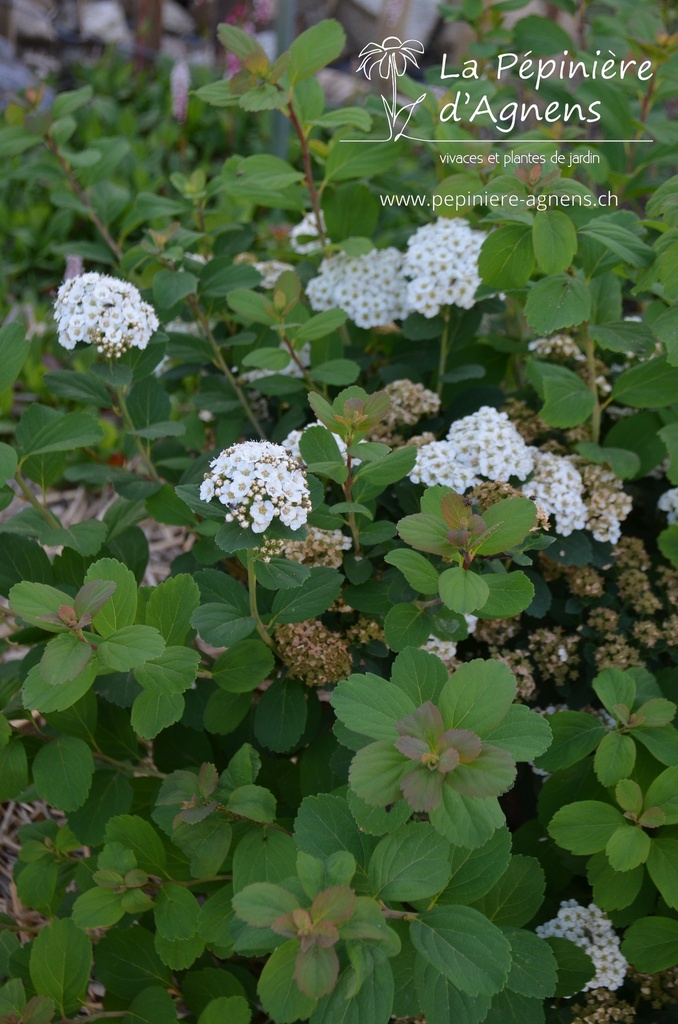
(391, 59)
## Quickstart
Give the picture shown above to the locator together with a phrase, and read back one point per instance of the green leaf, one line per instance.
(42, 430)
(265, 855)
(575, 967)
(43, 697)
(506, 258)
(127, 963)
(516, 897)
(315, 48)
(121, 610)
(667, 542)
(215, 917)
(462, 590)
(555, 302)
(154, 1005)
(662, 865)
(14, 346)
(253, 802)
(524, 733)
(172, 673)
(410, 864)
(651, 385)
(278, 990)
(508, 523)
(243, 666)
(171, 606)
(62, 772)
(176, 912)
(36, 603)
(615, 758)
(514, 1008)
(372, 478)
(65, 658)
(60, 963)
(478, 696)
(627, 847)
(171, 286)
(406, 625)
(321, 453)
(371, 1004)
(238, 42)
(309, 600)
(663, 793)
(555, 241)
(466, 821)
(178, 953)
(98, 908)
(619, 240)
(205, 843)
(420, 675)
(575, 735)
(9, 461)
(262, 903)
(534, 970)
(464, 946)
(416, 569)
(129, 647)
(371, 706)
(154, 711)
(13, 769)
(337, 372)
(614, 686)
(651, 944)
(624, 336)
(585, 827)
(319, 326)
(426, 533)
(233, 1009)
(474, 872)
(280, 716)
(510, 594)
(324, 825)
(139, 836)
(568, 400)
(279, 574)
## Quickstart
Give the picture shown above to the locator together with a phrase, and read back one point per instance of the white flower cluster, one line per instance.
(105, 311)
(488, 443)
(444, 649)
(437, 463)
(559, 348)
(307, 229)
(591, 930)
(442, 264)
(668, 503)
(258, 481)
(370, 288)
(558, 487)
(319, 547)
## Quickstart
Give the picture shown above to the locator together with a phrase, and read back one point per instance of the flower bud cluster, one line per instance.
(410, 402)
(607, 504)
(258, 481)
(591, 930)
(370, 288)
(103, 311)
(559, 348)
(441, 263)
(313, 653)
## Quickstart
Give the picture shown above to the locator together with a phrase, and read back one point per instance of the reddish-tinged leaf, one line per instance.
(426, 723)
(466, 743)
(335, 905)
(422, 788)
(412, 748)
(316, 971)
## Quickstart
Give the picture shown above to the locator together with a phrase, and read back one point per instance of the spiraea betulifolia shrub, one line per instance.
(339, 552)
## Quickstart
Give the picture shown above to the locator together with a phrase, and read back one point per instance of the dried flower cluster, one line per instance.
(105, 312)
(313, 653)
(319, 547)
(258, 481)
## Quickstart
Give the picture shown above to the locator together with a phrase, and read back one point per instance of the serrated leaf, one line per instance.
(60, 963)
(462, 944)
(409, 864)
(62, 772)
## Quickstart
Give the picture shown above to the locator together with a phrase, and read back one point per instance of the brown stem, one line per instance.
(308, 172)
(79, 191)
(222, 365)
(348, 496)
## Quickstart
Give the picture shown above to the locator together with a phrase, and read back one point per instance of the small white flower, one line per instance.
(442, 264)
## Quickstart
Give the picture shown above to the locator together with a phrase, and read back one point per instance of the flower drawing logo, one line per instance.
(391, 59)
